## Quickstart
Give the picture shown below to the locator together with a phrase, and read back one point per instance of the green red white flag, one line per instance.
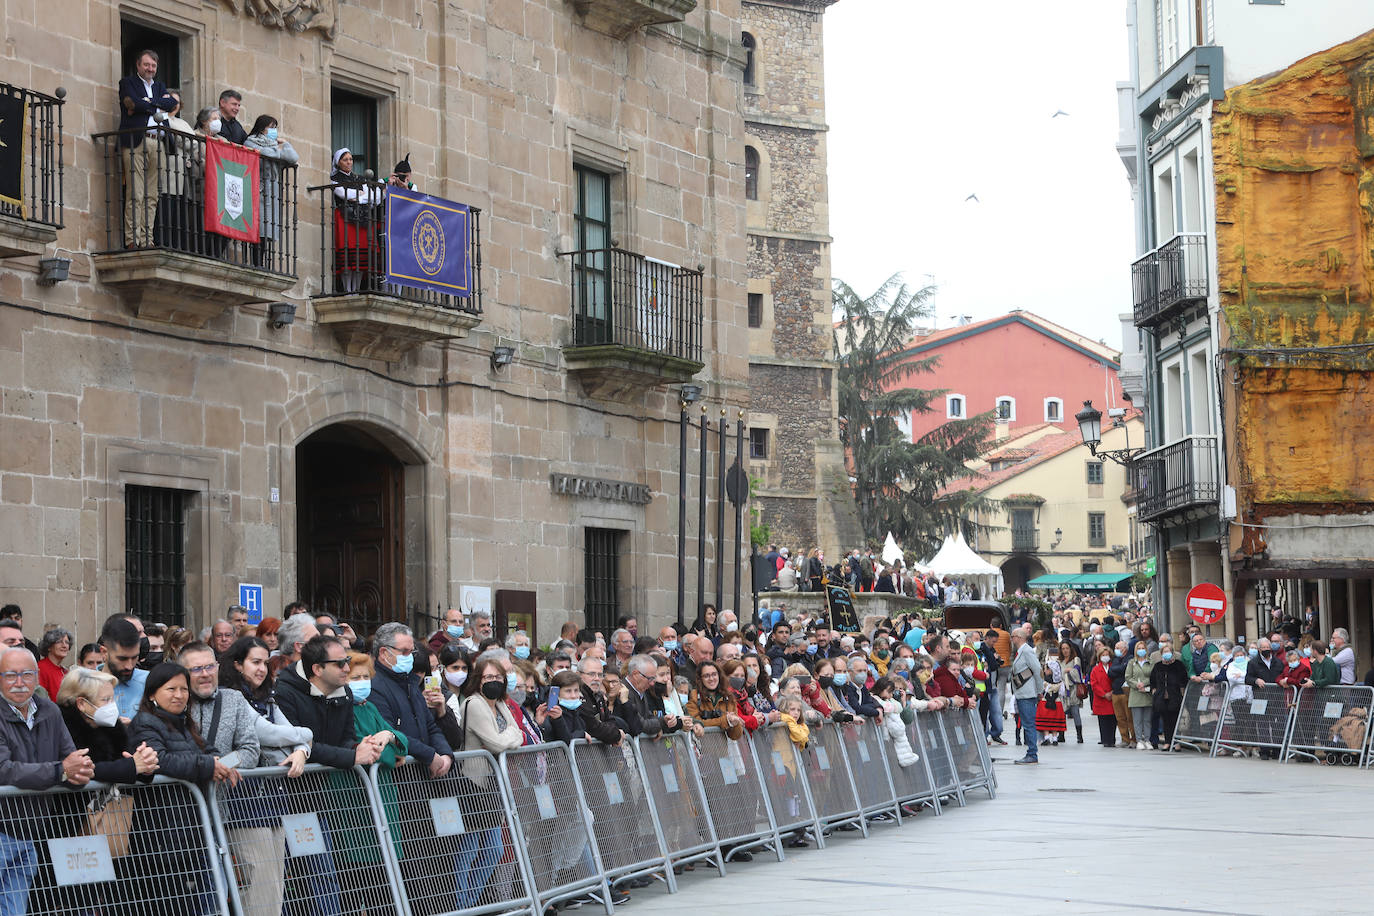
(231, 191)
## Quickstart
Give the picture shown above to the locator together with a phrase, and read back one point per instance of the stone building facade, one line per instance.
(803, 491)
(372, 455)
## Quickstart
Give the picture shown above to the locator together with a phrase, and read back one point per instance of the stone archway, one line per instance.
(1020, 569)
(375, 459)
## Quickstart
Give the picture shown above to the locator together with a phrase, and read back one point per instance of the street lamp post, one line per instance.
(1090, 428)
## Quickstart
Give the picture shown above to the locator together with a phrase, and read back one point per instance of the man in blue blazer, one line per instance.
(143, 104)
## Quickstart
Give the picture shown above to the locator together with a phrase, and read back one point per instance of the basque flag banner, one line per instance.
(232, 191)
(427, 243)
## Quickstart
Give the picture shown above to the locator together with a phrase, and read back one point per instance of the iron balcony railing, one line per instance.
(1171, 276)
(625, 299)
(353, 248)
(40, 191)
(1177, 476)
(1025, 539)
(167, 210)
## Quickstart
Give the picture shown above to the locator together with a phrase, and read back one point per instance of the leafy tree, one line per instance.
(896, 480)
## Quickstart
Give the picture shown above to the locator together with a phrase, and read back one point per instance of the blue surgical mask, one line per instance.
(511, 681)
(841, 678)
(361, 689)
(569, 703)
(812, 649)
(1254, 652)
(1293, 664)
(1139, 653)
(522, 651)
(670, 645)
(272, 134)
(682, 698)
(1117, 652)
(404, 664)
(454, 630)
(1307, 653)
(1167, 656)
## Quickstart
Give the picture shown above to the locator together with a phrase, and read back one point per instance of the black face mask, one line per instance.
(494, 690)
(826, 681)
(737, 683)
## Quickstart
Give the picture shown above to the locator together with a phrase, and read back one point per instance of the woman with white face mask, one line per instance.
(86, 698)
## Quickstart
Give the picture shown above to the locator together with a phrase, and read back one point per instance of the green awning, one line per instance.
(1083, 582)
(1048, 582)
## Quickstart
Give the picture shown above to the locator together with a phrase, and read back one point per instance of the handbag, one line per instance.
(111, 815)
(1080, 690)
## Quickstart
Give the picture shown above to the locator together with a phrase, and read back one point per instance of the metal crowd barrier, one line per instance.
(513, 834)
(832, 788)
(968, 749)
(308, 845)
(1257, 719)
(1201, 715)
(143, 848)
(942, 773)
(668, 767)
(1331, 723)
(735, 794)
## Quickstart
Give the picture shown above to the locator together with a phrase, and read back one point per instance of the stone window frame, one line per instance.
(753, 61)
(207, 511)
(769, 422)
(606, 151)
(767, 442)
(1059, 410)
(387, 86)
(761, 337)
(950, 414)
(193, 53)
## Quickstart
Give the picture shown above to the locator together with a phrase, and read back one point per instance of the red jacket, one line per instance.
(745, 710)
(1101, 684)
(945, 684)
(1293, 677)
(812, 695)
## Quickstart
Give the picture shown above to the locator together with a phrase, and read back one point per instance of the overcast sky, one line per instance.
(929, 102)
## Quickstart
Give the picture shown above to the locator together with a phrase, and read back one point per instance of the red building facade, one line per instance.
(1030, 370)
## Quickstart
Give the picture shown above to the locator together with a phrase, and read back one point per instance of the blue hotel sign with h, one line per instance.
(250, 598)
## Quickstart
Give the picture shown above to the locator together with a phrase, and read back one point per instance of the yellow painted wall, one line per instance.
(1293, 158)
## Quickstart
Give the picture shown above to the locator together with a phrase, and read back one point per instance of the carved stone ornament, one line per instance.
(296, 15)
(1171, 108)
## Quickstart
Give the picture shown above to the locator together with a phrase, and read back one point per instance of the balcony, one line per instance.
(160, 255)
(1025, 539)
(636, 322)
(622, 18)
(1169, 278)
(370, 317)
(31, 197)
(1177, 477)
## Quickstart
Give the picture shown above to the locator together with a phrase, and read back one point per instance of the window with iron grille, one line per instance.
(756, 310)
(1094, 472)
(758, 443)
(1097, 529)
(602, 586)
(155, 554)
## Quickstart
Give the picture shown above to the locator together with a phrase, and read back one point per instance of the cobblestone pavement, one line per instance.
(1091, 830)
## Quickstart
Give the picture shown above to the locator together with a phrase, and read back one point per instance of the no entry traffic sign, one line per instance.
(1206, 603)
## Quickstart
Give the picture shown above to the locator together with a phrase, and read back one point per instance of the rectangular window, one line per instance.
(135, 38)
(758, 443)
(1052, 414)
(1094, 472)
(1089, 566)
(1097, 529)
(591, 268)
(353, 124)
(756, 310)
(155, 554)
(602, 581)
(955, 407)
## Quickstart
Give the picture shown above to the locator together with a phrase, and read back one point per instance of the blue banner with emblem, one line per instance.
(428, 241)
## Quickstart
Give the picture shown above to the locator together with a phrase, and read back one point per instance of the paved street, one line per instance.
(1046, 844)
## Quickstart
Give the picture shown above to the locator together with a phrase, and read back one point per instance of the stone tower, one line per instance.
(796, 458)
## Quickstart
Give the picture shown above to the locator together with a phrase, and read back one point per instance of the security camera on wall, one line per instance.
(1116, 412)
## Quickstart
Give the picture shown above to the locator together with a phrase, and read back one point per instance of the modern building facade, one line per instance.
(1184, 56)
(193, 414)
(802, 487)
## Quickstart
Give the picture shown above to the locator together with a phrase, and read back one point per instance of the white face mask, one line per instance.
(456, 678)
(731, 627)
(106, 716)
(213, 126)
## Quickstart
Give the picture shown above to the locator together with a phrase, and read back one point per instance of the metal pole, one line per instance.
(741, 491)
(720, 516)
(701, 516)
(682, 514)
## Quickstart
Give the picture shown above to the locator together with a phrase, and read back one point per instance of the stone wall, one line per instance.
(494, 100)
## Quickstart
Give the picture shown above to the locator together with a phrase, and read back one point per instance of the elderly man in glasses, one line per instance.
(36, 752)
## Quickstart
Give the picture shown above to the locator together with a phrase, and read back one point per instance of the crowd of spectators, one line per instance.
(862, 571)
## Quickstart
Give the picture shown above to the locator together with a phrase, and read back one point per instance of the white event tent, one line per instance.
(958, 561)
